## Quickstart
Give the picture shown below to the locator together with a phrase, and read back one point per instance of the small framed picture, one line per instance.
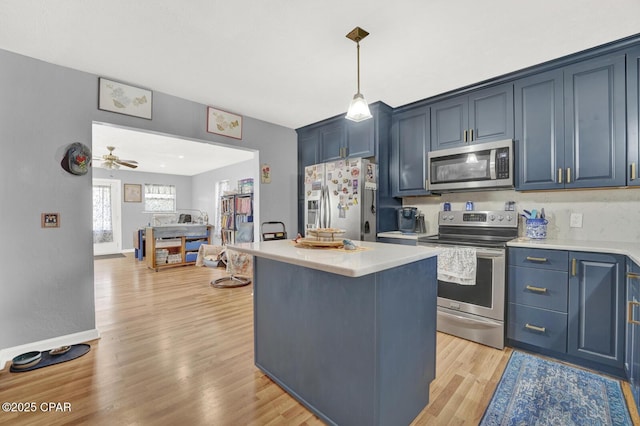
(132, 193)
(124, 99)
(224, 123)
(50, 220)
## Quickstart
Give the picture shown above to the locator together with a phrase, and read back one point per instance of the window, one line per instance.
(159, 198)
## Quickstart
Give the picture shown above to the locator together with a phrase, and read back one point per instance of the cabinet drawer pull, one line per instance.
(633, 171)
(630, 319)
(535, 328)
(536, 289)
(536, 259)
(465, 135)
(633, 275)
(568, 174)
(560, 175)
(574, 264)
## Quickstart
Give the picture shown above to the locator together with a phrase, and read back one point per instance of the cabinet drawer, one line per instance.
(539, 258)
(540, 288)
(538, 327)
(193, 245)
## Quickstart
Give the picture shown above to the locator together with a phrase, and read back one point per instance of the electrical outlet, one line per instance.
(576, 220)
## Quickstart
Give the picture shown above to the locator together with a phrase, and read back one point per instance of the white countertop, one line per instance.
(402, 235)
(632, 250)
(377, 256)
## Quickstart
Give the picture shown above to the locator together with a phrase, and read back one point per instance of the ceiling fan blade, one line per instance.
(129, 161)
(126, 164)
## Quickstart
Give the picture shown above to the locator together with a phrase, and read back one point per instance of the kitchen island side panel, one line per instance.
(406, 336)
(356, 351)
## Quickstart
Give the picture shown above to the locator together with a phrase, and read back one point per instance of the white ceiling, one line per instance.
(156, 153)
(288, 61)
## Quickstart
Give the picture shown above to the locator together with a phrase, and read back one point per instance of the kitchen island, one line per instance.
(350, 334)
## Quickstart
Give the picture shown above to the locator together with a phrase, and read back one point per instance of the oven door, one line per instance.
(487, 297)
(476, 312)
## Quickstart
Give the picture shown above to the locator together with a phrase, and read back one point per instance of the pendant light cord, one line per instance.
(358, 55)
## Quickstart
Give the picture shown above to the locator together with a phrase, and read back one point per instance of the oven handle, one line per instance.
(481, 252)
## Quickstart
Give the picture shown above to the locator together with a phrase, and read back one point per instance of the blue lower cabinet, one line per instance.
(596, 307)
(538, 327)
(632, 358)
(574, 309)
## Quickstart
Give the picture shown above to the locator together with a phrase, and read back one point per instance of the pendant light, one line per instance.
(358, 109)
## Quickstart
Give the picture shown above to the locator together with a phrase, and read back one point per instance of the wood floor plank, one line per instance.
(174, 350)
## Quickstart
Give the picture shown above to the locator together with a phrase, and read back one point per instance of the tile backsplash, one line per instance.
(607, 214)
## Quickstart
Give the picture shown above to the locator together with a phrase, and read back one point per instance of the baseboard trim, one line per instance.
(7, 354)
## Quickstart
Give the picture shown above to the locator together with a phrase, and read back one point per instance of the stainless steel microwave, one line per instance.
(472, 167)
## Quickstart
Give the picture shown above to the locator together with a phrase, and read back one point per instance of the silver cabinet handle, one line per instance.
(633, 275)
(536, 289)
(568, 174)
(536, 259)
(560, 175)
(465, 135)
(535, 328)
(633, 171)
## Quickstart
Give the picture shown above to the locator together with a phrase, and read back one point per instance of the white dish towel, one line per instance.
(457, 265)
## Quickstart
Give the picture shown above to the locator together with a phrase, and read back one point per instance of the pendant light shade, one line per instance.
(358, 109)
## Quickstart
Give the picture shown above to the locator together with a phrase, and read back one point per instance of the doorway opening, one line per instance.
(107, 235)
(193, 166)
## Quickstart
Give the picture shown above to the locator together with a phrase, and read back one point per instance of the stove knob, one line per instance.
(492, 217)
(500, 217)
(509, 218)
(450, 217)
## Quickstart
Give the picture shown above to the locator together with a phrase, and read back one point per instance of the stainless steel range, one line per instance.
(475, 312)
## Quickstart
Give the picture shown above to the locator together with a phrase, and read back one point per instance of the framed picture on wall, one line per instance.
(224, 123)
(50, 220)
(124, 99)
(132, 193)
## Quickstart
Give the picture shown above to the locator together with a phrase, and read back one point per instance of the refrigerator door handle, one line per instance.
(320, 209)
(323, 222)
(328, 208)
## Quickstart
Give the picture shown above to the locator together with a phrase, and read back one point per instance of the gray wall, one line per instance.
(47, 274)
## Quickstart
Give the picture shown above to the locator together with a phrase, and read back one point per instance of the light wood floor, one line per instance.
(176, 351)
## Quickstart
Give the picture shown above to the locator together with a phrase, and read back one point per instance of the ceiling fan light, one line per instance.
(358, 109)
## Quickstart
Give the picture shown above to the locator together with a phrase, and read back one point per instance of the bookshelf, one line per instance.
(236, 218)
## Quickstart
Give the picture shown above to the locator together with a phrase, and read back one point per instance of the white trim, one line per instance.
(7, 354)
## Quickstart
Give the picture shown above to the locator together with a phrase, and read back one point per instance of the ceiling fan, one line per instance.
(110, 161)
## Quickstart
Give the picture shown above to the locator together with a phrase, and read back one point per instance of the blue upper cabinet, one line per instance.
(481, 116)
(361, 138)
(409, 148)
(539, 130)
(595, 134)
(332, 140)
(633, 117)
(570, 126)
(341, 138)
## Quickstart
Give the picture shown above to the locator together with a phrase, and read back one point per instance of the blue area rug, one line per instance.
(535, 391)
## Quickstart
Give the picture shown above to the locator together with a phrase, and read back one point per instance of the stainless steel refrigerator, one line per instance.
(342, 194)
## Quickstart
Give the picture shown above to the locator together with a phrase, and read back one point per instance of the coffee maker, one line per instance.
(407, 219)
